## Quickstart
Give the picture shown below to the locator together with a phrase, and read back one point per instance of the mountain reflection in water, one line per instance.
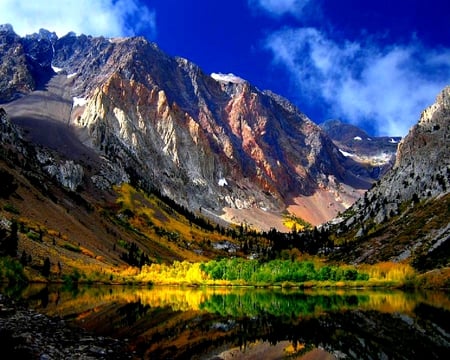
(243, 323)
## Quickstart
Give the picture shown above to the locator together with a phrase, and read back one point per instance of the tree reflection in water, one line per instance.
(201, 323)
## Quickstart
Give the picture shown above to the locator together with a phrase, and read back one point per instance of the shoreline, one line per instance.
(28, 334)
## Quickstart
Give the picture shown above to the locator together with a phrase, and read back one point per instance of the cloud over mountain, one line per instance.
(362, 81)
(280, 7)
(99, 17)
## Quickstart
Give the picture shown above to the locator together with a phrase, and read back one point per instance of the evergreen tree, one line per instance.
(24, 258)
(13, 242)
(8, 184)
(46, 268)
(9, 243)
(3, 237)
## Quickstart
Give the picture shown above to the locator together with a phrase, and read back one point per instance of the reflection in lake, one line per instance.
(172, 322)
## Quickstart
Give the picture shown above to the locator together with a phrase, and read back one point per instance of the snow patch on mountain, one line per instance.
(222, 182)
(227, 78)
(57, 69)
(345, 153)
(79, 101)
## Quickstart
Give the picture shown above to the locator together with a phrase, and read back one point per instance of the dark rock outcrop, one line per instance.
(26, 334)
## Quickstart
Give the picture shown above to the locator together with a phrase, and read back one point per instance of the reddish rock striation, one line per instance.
(207, 142)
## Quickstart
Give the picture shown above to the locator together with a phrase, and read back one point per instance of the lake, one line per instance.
(249, 323)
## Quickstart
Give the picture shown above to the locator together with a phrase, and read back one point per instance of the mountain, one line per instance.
(405, 215)
(375, 153)
(211, 143)
(56, 209)
(114, 153)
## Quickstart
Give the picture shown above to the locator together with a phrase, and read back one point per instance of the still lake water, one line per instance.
(248, 323)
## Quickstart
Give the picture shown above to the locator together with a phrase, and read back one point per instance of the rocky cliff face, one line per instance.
(66, 172)
(425, 151)
(422, 166)
(214, 142)
(25, 63)
(405, 215)
(224, 142)
(12, 56)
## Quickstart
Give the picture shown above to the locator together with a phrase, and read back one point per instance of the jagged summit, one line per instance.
(422, 166)
(6, 28)
(343, 132)
(425, 149)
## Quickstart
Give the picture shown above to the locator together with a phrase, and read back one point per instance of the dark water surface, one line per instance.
(247, 323)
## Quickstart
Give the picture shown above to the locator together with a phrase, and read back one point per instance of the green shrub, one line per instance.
(72, 279)
(324, 273)
(362, 276)
(33, 236)
(350, 274)
(11, 271)
(71, 247)
(10, 208)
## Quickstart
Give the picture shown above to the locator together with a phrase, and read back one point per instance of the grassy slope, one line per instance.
(88, 230)
(409, 230)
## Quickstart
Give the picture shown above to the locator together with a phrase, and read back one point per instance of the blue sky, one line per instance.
(376, 64)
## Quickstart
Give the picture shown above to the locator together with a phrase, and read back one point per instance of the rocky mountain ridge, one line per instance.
(206, 143)
(422, 166)
(405, 215)
(377, 153)
(85, 116)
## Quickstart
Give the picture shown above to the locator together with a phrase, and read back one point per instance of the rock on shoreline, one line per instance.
(26, 334)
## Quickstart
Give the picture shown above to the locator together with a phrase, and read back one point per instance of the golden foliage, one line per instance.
(164, 226)
(295, 223)
(389, 271)
(435, 279)
(178, 273)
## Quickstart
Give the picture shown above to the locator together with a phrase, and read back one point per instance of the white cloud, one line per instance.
(388, 86)
(91, 17)
(280, 7)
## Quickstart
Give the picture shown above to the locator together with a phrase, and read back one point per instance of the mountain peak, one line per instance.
(6, 28)
(182, 131)
(342, 131)
(425, 148)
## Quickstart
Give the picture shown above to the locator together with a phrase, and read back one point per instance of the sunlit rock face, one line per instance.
(425, 149)
(188, 130)
(422, 166)
(13, 56)
(205, 141)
